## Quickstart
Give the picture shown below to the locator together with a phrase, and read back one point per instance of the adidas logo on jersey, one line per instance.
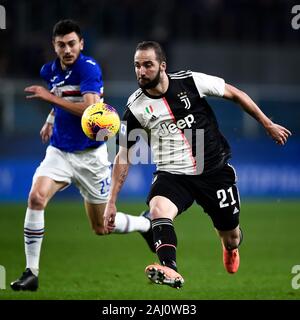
(173, 127)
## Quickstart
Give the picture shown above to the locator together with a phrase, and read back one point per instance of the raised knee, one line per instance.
(155, 212)
(37, 200)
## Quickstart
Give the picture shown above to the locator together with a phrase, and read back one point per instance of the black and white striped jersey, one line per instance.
(182, 129)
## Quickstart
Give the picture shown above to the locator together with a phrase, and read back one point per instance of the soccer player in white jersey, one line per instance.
(190, 153)
(74, 82)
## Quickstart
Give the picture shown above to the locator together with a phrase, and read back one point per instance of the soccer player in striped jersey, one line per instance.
(190, 153)
(74, 82)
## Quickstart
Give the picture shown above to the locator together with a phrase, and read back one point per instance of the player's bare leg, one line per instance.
(95, 215)
(230, 242)
(41, 192)
(124, 222)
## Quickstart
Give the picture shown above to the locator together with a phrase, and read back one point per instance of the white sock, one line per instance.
(33, 237)
(127, 223)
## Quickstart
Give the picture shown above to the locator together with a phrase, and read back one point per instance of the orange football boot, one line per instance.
(231, 260)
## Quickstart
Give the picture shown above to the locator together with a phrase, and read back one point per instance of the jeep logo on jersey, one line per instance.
(165, 129)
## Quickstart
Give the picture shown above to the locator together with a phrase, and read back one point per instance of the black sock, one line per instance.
(165, 241)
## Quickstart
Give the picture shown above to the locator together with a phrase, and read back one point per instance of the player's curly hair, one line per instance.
(66, 26)
(160, 54)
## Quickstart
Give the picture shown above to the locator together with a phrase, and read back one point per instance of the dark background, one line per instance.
(249, 43)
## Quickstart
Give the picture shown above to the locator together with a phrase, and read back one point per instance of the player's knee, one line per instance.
(99, 230)
(231, 242)
(155, 212)
(37, 200)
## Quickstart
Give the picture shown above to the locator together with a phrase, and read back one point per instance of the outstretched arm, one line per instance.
(77, 108)
(278, 133)
(119, 175)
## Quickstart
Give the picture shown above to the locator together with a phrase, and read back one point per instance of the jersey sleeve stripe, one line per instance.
(94, 92)
(181, 74)
(136, 95)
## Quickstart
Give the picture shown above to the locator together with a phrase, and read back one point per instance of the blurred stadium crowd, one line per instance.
(249, 43)
(229, 21)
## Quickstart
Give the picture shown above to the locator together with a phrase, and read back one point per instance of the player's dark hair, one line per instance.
(160, 54)
(66, 26)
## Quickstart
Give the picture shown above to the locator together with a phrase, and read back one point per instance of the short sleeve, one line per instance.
(45, 74)
(91, 78)
(209, 85)
(128, 124)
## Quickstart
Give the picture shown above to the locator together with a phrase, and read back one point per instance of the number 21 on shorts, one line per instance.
(226, 197)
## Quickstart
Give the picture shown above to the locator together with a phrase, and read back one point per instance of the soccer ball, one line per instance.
(100, 121)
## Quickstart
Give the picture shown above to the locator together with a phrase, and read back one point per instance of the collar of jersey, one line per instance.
(160, 96)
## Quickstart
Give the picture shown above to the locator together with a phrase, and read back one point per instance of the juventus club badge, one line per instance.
(184, 98)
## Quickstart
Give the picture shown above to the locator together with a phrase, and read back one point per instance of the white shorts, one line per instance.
(89, 170)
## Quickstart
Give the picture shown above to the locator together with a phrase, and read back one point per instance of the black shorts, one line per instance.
(216, 193)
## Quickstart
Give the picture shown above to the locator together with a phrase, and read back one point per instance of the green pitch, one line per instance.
(76, 264)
